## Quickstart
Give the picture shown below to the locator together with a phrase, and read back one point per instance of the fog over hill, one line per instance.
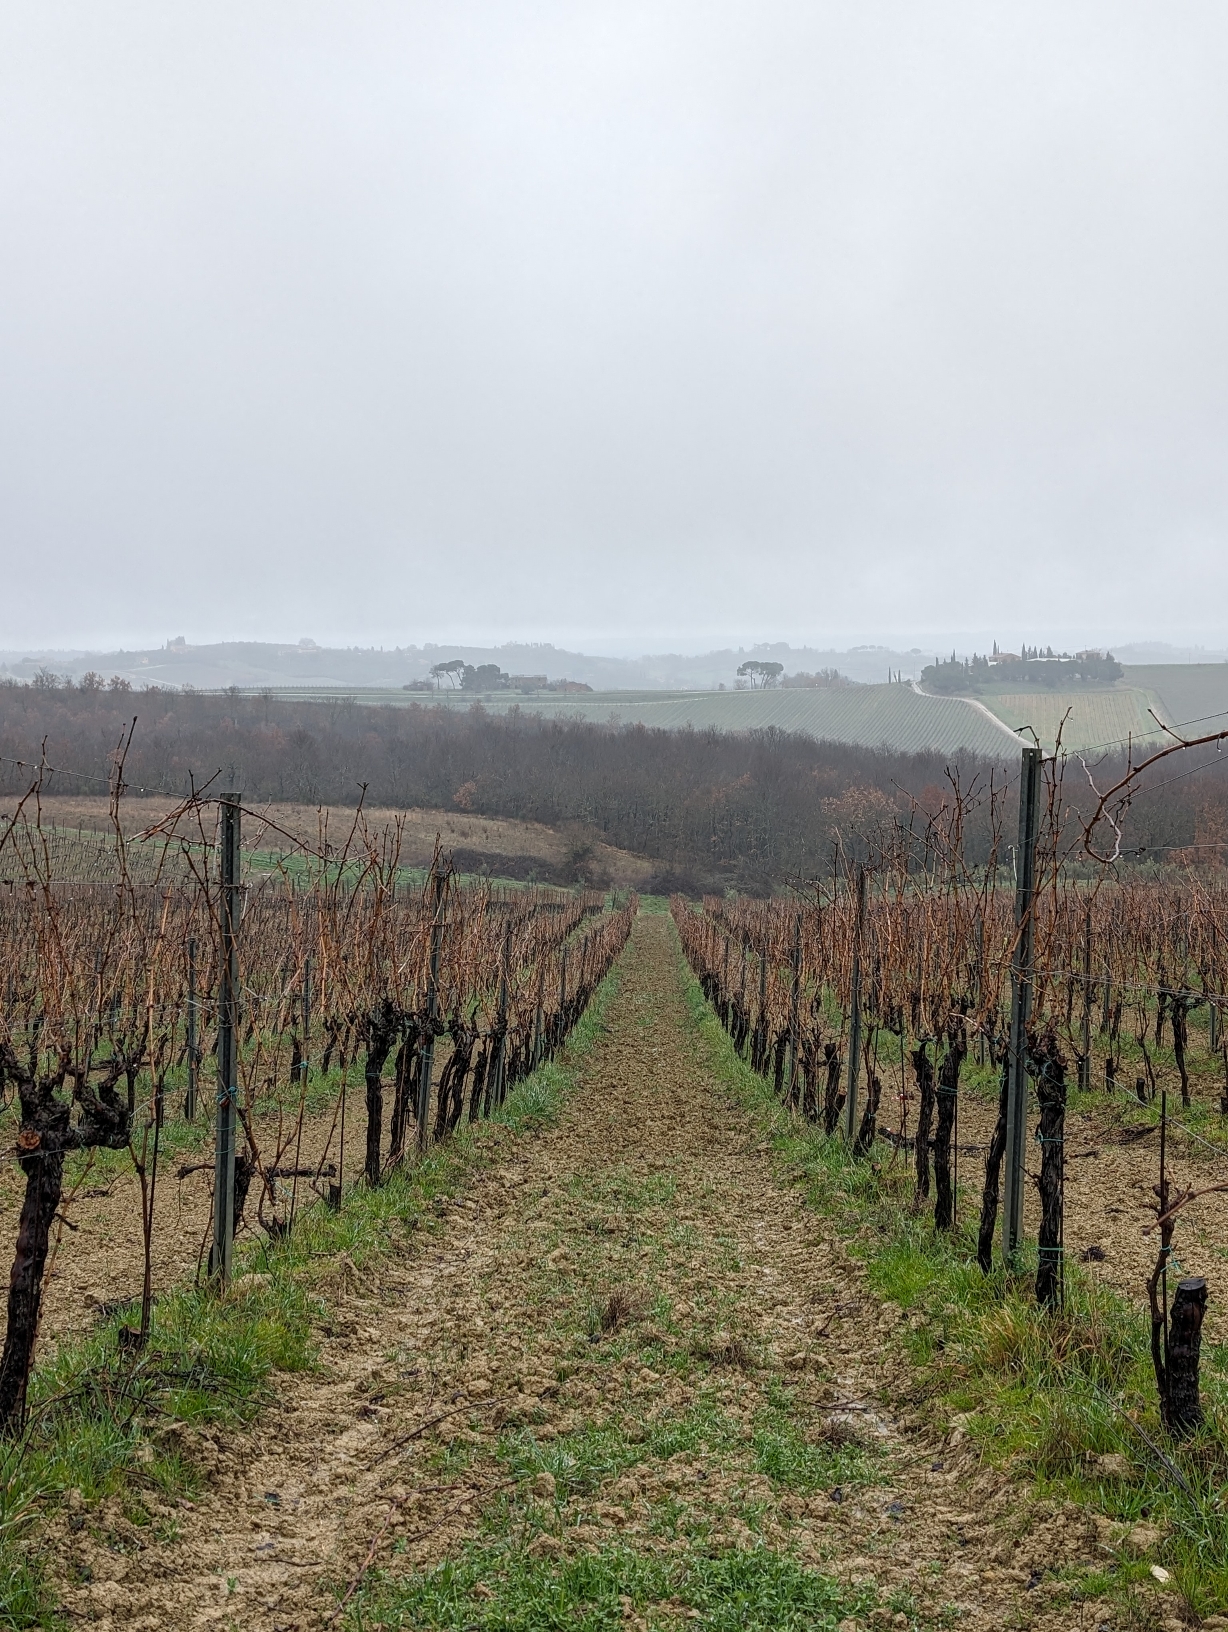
(259, 663)
(267, 663)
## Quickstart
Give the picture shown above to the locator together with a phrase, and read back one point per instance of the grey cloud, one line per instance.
(646, 325)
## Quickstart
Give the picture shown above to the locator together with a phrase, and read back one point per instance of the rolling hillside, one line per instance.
(873, 716)
(867, 716)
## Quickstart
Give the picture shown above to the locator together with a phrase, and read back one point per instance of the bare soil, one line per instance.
(573, 851)
(98, 1249)
(1112, 1169)
(637, 1270)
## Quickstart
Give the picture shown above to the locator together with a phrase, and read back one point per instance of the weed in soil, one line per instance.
(836, 1455)
(725, 1351)
(620, 1307)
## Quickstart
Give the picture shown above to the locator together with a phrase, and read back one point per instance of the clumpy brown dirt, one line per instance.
(1110, 1207)
(637, 1278)
(1112, 1168)
(97, 1260)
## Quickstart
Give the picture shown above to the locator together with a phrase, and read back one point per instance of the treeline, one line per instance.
(710, 808)
(1029, 668)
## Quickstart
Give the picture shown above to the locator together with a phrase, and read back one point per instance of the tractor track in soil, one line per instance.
(654, 1189)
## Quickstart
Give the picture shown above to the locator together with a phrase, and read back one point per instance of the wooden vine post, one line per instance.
(305, 1061)
(537, 1014)
(227, 1044)
(758, 1047)
(1176, 1335)
(500, 1085)
(946, 1103)
(850, 1099)
(1049, 1069)
(1085, 1058)
(189, 1103)
(426, 1063)
(1183, 1406)
(1021, 1003)
(304, 1072)
(794, 999)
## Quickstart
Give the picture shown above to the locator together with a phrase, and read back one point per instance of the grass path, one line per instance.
(624, 1379)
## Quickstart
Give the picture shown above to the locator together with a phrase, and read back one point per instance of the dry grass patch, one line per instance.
(724, 1350)
(839, 1435)
(623, 1306)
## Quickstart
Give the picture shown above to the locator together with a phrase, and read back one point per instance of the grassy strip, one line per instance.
(678, 1571)
(713, 1480)
(104, 1423)
(755, 1591)
(1065, 1401)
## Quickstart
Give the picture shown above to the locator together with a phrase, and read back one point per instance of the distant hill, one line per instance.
(265, 663)
(887, 716)
(672, 691)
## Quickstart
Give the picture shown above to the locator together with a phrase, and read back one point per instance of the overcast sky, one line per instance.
(640, 326)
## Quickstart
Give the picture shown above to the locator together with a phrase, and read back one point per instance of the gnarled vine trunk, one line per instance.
(405, 1077)
(923, 1070)
(947, 1099)
(868, 1130)
(991, 1194)
(1048, 1067)
(382, 1026)
(833, 1094)
(44, 1139)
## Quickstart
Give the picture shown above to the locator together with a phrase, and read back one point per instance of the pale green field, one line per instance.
(1191, 695)
(877, 716)
(1093, 719)
(894, 716)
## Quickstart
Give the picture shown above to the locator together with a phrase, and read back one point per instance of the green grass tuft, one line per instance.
(492, 1589)
(792, 1462)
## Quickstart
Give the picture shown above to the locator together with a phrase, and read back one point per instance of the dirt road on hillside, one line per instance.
(627, 1345)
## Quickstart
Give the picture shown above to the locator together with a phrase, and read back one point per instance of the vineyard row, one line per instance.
(439, 1000)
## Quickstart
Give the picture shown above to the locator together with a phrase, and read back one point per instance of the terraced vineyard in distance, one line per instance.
(1088, 719)
(866, 716)
(1180, 694)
